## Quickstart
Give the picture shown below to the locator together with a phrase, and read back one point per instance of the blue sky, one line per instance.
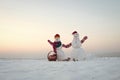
(26, 25)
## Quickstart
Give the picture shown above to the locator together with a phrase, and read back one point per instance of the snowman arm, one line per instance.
(53, 45)
(66, 46)
(84, 38)
(82, 41)
(50, 42)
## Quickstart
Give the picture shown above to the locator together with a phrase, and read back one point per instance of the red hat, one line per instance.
(74, 32)
(57, 35)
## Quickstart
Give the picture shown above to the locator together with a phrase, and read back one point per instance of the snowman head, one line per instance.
(75, 34)
(57, 37)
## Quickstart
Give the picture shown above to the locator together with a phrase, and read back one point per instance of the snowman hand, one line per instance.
(67, 46)
(84, 38)
(50, 42)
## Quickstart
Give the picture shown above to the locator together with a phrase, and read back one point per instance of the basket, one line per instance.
(52, 56)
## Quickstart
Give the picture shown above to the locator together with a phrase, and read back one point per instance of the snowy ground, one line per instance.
(95, 69)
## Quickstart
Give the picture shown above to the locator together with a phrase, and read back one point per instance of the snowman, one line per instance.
(77, 52)
(57, 48)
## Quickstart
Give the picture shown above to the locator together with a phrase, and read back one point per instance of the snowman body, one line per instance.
(60, 54)
(77, 51)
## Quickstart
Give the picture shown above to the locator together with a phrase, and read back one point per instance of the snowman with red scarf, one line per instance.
(58, 53)
(77, 52)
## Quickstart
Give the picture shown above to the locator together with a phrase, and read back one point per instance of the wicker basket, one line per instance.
(52, 56)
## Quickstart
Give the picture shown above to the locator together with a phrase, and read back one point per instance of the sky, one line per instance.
(26, 25)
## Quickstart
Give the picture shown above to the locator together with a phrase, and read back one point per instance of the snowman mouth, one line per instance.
(76, 35)
(57, 39)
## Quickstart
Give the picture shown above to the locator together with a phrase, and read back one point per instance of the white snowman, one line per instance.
(77, 51)
(57, 48)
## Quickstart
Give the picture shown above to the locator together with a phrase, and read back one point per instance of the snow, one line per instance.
(94, 69)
